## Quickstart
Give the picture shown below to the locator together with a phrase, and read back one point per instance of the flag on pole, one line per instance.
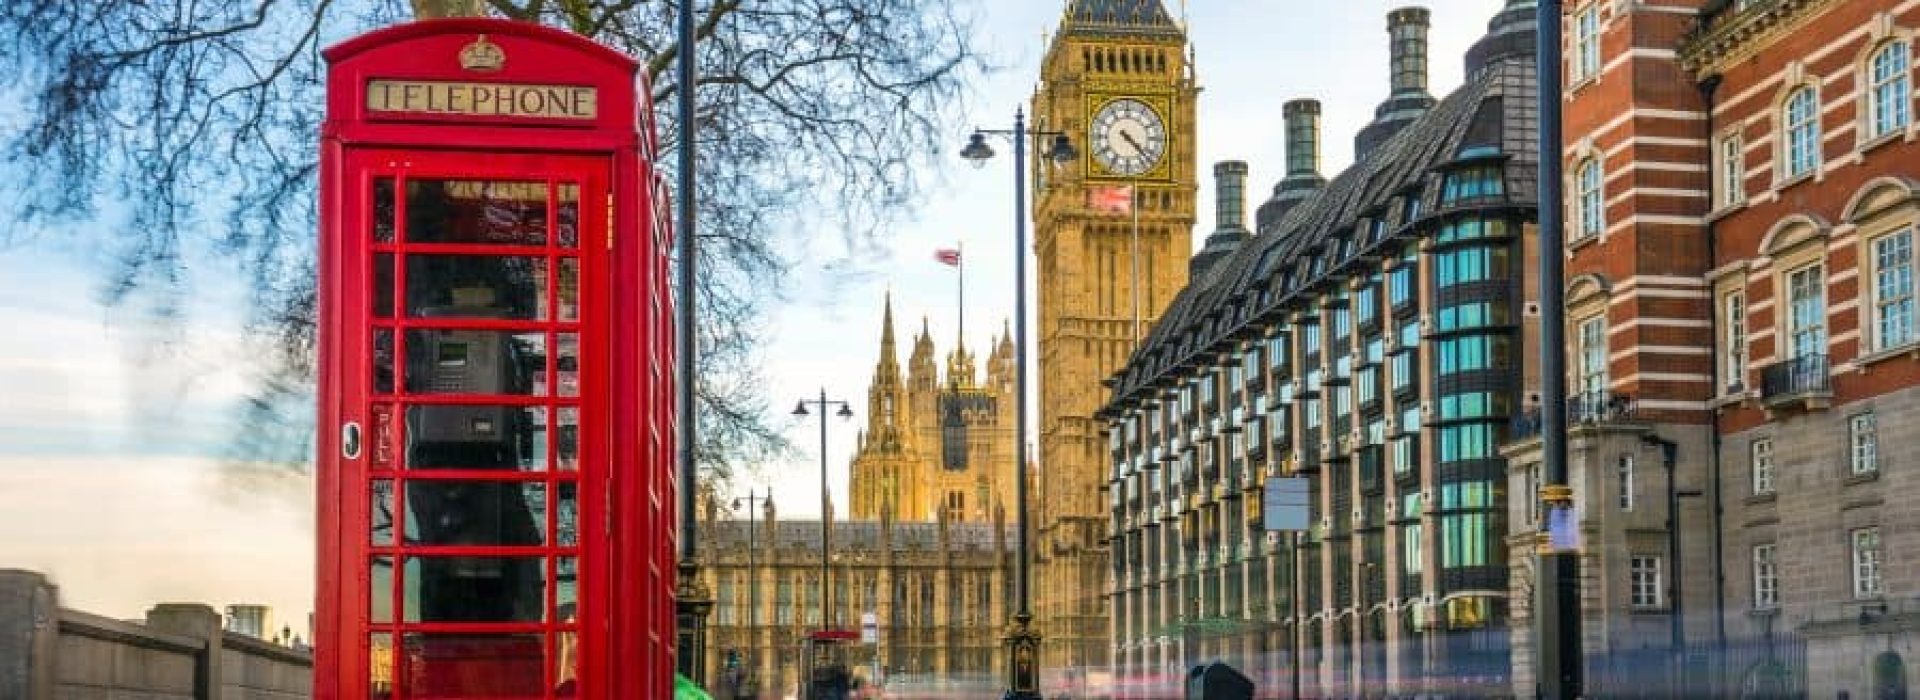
(947, 256)
(1113, 200)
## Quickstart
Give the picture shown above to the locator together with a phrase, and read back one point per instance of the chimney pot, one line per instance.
(1407, 28)
(1230, 191)
(1303, 136)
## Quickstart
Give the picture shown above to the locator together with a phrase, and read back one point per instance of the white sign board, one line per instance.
(869, 628)
(1286, 504)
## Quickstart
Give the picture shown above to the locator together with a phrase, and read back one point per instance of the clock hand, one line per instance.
(1138, 149)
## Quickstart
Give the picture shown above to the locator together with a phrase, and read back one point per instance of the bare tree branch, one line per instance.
(200, 120)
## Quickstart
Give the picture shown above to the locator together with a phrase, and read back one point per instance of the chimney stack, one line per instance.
(1303, 164)
(1509, 37)
(1303, 137)
(1230, 195)
(1407, 30)
(1229, 216)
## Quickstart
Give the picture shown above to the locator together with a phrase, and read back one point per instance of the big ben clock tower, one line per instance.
(1116, 76)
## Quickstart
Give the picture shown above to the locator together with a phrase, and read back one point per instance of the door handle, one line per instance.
(350, 440)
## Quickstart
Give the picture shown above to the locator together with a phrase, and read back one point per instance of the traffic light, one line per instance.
(733, 659)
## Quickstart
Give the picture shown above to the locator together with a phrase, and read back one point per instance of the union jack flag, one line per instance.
(1113, 200)
(947, 256)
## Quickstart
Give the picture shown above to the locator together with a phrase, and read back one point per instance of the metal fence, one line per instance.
(1771, 668)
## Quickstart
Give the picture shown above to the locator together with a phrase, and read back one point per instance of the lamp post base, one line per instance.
(1023, 655)
(691, 604)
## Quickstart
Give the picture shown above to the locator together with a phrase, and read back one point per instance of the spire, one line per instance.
(960, 367)
(921, 369)
(886, 322)
(887, 372)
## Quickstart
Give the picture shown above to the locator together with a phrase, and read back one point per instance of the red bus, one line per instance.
(496, 497)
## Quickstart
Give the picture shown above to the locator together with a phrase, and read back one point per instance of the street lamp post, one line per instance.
(1023, 644)
(1557, 609)
(748, 678)
(826, 501)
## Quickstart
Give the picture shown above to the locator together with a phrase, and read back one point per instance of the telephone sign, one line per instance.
(495, 419)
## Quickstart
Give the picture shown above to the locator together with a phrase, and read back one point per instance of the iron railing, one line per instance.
(1585, 408)
(1806, 375)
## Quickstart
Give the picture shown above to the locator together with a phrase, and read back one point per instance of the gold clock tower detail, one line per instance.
(1117, 78)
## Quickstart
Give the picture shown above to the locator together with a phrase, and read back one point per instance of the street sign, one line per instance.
(869, 628)
(1286, 505)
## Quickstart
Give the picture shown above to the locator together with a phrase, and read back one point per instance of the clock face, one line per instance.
(1128, 137)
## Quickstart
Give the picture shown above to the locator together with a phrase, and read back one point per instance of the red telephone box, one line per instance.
(496, 406)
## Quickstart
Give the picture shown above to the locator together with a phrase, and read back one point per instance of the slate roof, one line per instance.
(1137, 16)
(1244, 293)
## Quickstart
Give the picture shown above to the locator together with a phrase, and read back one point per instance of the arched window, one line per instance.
(1889, 92)
(1889, 677)
(1800, 143)
(1591, 201)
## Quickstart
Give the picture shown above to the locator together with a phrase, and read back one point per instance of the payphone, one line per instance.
(495, 498)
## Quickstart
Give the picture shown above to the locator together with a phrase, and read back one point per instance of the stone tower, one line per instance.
(938, 445)
(1117, 78)
(884, 473)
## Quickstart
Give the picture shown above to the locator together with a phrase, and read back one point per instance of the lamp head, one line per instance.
(1062, 151)
(977, 151)
(846, 411)
(800, 409)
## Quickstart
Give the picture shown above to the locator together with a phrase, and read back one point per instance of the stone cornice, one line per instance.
(1736, 35)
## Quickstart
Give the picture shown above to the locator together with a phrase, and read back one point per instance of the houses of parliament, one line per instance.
(927, 548)
(938, 445)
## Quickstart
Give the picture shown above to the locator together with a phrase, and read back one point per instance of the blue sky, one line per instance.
(113, 429)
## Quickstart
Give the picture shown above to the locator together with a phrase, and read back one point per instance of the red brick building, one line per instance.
(1741, 211)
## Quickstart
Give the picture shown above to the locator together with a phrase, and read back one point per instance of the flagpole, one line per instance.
(1133, 203)
(960, 247)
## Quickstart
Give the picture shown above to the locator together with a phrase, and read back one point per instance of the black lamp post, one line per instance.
(826, 501)
(1023, 644)
(692, 601)
(1557, 610)
(749, 676)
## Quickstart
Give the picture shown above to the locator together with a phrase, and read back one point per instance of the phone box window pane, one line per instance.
(477, 437)
(566, 661)
(383, 210)
(495, 666)
(380, 509)
(566, 593)
(380, 590)
(476, 513)
(383, 285)
(475, 589)
(569, 439)
(567, 364)
(567, 215)
(476, 362)
(382, 436)
(383, 360)
(476, 286)
(567, 514)
(380, 664)
(477, 211)
(569, 289)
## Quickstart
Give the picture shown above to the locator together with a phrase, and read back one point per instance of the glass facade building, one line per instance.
(1369, 340)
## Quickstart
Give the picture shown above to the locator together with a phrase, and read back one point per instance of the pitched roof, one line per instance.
(1276, 267)
(1119, 15)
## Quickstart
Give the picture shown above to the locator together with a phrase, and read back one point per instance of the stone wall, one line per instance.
(180, 652)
